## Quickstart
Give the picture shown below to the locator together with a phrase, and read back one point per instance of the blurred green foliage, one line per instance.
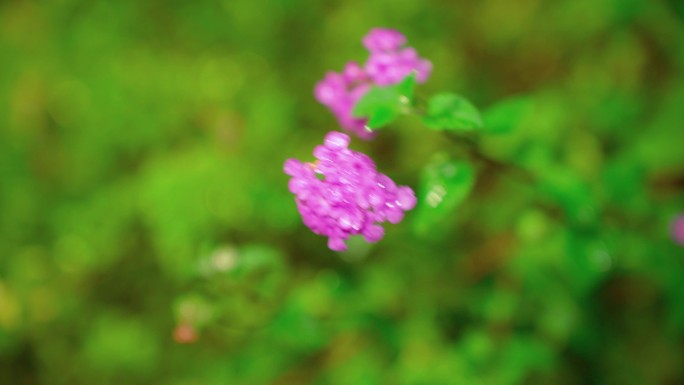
(147, 234)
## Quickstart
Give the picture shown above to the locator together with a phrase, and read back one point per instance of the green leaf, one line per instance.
(503, 117)
(407, 87)
(375, 98)
(382, 116)
(452, 112)
(445, 184)
(382, 105)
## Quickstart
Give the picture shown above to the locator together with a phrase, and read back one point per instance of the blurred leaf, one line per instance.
(293, 326)
(193, 309)
(565, 187)
(262, 264)
(362, 369)
(453, 112)
(677, 8)
(258, 257)
(478, 346)
(504, 116)
(522, 355)
(587, 261)
(444, 186)
(382, 105)
(117, 344)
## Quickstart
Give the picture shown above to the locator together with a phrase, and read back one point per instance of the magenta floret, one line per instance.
(389, 63)
(342, 193)
(678, 229)
(340, 92)
(382, 39)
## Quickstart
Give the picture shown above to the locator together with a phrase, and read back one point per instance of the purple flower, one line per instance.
(389, 63)
(381, 39)
(678, 229)
(342, 194)
(340, 92)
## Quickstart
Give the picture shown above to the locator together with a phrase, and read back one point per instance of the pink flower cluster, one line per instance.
(678, 229)
(389, 63)
(342, 193)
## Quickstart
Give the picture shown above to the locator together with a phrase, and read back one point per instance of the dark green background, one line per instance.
(141, 188)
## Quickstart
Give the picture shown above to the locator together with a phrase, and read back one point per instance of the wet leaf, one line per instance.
(382, 105)
(445, 185)
(452, 112)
